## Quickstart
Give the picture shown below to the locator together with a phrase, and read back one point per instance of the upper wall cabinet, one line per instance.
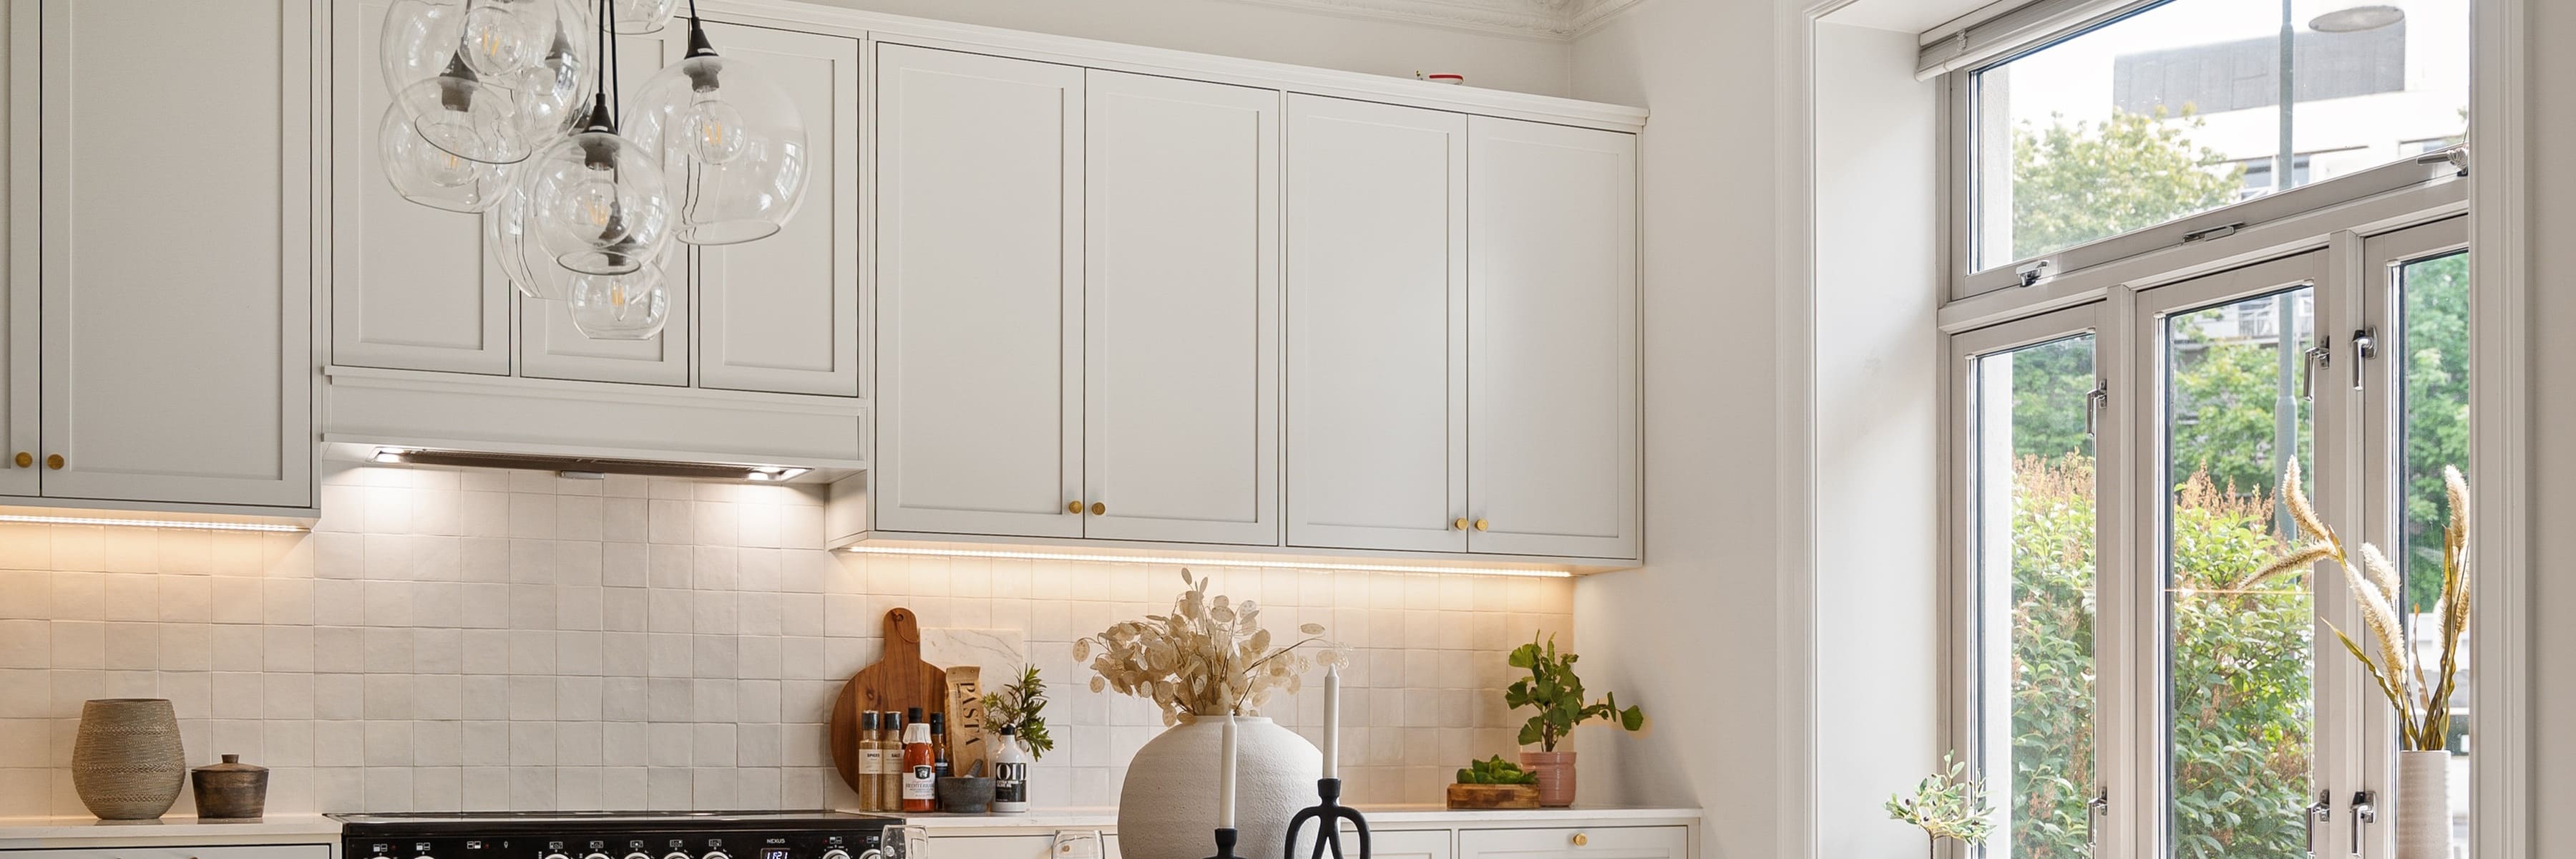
(176, 288)
(979, 209)
(1552, 373)
(1181, 291)
(1377, 310)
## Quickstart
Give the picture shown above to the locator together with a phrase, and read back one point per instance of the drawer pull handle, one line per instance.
(54, 462)
(1073, 507)
(26, 460)
(1480, 524)
(1581, 839)
(1099, 509)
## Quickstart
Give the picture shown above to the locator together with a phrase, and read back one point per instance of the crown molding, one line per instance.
(1558, 20)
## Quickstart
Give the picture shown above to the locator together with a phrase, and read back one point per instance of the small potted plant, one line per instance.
(1494, 783)
(1947, 804)
(1019, 706)
(1557, 694)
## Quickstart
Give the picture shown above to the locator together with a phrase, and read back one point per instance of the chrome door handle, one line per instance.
(2101, 802)
(2321, 810)
(2363, 811)
(2365, 345)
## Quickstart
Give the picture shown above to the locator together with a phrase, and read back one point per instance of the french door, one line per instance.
(2134, 688)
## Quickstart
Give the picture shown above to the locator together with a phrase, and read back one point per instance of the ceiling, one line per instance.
(1904, 16)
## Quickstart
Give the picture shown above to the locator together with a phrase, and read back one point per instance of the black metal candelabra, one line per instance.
(1224, 843)
(1329, 814)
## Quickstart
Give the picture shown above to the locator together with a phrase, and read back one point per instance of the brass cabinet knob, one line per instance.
(1581, 839)
(1073, 507)
(54, 462)
(26, 460)
(1099, 509)
(1459, 525)
(1480, 524)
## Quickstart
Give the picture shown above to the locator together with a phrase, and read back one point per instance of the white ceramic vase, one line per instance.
(1167, 810)
(2424, 805)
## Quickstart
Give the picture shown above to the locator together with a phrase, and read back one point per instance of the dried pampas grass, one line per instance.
(2422, 699)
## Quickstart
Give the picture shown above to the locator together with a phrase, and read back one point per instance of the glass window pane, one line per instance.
(2034, 487)
(2239, 653)
(2178, 110)
(2435, 348)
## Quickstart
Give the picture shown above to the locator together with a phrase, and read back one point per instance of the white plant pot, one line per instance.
(1167, 810)
(2424, 805)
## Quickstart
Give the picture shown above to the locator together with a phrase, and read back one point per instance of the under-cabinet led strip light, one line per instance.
(864, 549)
(155, 523)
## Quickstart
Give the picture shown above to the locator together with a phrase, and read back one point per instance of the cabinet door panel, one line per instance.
(177, 293)
(782, 313)
(1377, 318)
(1182, 293)
(20, 315)
(1552, 380)
(551, 348)
(411, 286)
(979, 294)
(1612, 842)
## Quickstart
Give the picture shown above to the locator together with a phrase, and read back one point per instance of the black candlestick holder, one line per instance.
(1224, 844)
(1328, 814)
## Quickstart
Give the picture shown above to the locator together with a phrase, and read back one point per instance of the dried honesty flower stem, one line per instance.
(1208, 657)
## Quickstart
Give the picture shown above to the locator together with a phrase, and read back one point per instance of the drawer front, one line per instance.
(990, 846)
(261, 851)
(1614, 842)
(1421, 844)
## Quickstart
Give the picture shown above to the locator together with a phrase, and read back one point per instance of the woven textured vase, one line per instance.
(126, 762)
(2424, 805)
(1167, 808)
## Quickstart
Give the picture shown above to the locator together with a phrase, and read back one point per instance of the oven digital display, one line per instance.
(773, 853)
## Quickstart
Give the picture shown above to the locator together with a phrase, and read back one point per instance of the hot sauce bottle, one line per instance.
(920, 765)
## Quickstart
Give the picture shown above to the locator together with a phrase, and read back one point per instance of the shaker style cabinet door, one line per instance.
(1552, 376)
(411, 286)
(979, 294)
(550, 347)
(782, 313)
(1182, 291)
(21, 24)
(177, 235)
(1608, 842)
(1377, 326)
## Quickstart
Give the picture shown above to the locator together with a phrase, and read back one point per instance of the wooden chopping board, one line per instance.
(899, 682)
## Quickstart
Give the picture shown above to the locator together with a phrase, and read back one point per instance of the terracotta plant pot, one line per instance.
(2424, 805)
(126, 761)
(1555, 771)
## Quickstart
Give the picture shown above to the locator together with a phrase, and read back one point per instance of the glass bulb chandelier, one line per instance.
(510, 108)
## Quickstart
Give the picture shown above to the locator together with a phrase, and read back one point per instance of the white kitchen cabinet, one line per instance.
(177, 253)
(1606, 842)
(1377, 326)
(1552, 359)
(551, 348)
(782, 314)
(21, 316)
(979, 207)
(1403, 844)
(411, 286)
(1181, 393)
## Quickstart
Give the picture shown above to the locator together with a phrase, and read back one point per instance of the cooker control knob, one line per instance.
(715, 854)
(639, 854)
(596, 855)
(556, 856)
(675, 854)
(836, 853)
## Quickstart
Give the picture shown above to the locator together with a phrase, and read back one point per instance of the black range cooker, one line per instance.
(613, 835)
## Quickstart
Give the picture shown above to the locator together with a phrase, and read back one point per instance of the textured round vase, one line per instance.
(1555, 771)
(1167, 810)
(126, 760)
(2424, 805)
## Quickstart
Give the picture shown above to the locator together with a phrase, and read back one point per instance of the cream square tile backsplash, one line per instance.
(487, 639)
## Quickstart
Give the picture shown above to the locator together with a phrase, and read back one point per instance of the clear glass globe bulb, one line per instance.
(500, 38)
(631, 306)
(600, 205)
(732, 144)
(552, 93)
(431, 176)
(418, 41)
(642, 16)
(506, 233)
(466, 118)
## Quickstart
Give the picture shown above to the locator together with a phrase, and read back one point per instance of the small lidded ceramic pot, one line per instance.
(231, 790)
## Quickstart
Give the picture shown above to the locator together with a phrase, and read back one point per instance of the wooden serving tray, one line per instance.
(1493, 796)
(897, 682)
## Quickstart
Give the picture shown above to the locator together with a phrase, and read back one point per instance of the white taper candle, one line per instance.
(1332, 721)
(1225, 781)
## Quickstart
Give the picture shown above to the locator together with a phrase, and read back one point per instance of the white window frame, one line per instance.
(2068, 19)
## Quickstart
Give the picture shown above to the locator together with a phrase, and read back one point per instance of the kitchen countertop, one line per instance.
(1106, 817)
(66, 831)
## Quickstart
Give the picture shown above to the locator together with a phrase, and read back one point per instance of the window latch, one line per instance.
(2094, 402)
(2365, 809)
(2032, 273)
(2218, 232)
(2365, 346)
(2457, 157)
(2320, 355)
(2318, 812)
(2095, 807)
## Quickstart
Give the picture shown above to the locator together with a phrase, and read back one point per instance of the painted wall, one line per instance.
(1879, 420)
(2552, 467)
(510, 640)
(1690, 636)
(1255, 31)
